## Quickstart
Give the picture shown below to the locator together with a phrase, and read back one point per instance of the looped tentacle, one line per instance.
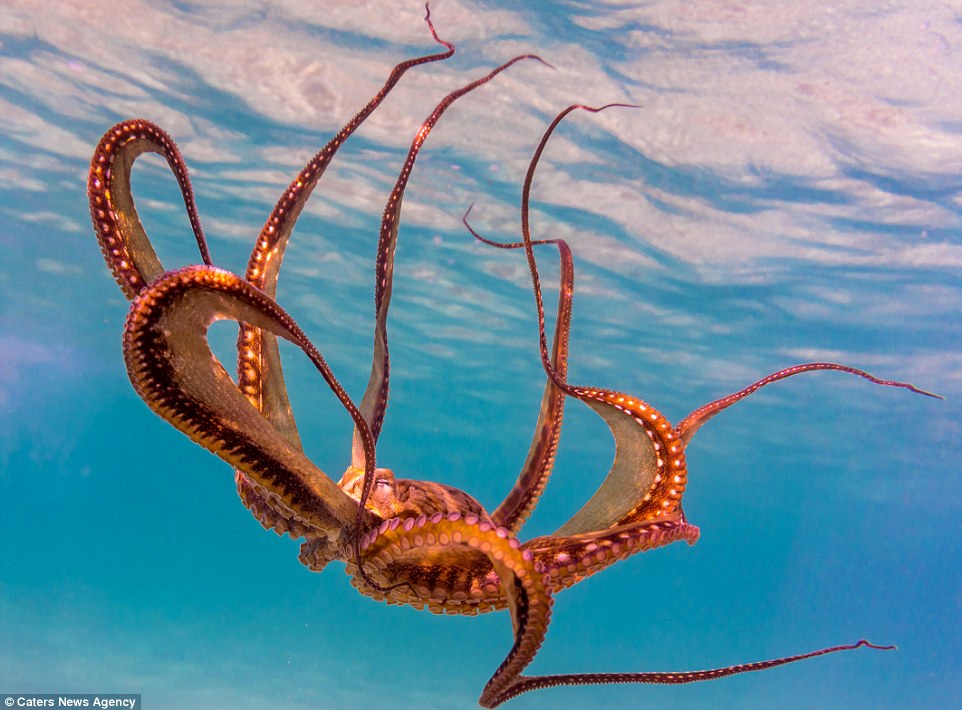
(123, 240)
(173, 369)
(689, 425)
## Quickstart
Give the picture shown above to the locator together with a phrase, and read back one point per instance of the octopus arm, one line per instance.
(173, 369)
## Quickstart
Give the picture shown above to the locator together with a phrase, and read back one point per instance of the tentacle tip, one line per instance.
(536, 58)
(599, 109)
(473, 232)
(869, 644)
(434, 33)
(934, 395)
(618, 104)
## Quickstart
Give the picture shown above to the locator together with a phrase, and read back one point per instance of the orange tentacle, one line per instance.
(569, 560)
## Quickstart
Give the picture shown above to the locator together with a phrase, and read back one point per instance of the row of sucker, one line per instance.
(569, 560)
(519, 582)
(172, 368)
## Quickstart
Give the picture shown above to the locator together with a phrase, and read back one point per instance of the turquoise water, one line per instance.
(789, 191)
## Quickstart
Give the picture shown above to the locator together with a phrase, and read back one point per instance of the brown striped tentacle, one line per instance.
(172, 368)
(374, 401)
(533, 478)
(505, 574)
(525, 685)
(689, 425)
(123, 241)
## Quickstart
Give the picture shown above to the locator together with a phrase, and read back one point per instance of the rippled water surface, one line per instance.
(788, 191)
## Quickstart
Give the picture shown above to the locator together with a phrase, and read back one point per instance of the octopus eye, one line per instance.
(383, 493)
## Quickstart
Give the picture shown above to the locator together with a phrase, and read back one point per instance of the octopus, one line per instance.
(402, 541)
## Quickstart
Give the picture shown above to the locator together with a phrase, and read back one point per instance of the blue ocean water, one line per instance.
(788, 191)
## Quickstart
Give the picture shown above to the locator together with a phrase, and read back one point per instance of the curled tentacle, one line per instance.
(123, 241)
(172, 368)
(403, 548)
(689, 425)
(615, 522)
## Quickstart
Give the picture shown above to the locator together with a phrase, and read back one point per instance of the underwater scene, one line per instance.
(779, 183)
